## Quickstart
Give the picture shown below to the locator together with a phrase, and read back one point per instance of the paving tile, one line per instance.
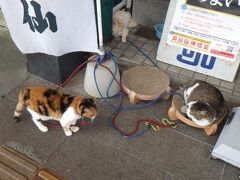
(101, 129)
(232, 100)
(128, 54)
(139, 38)
(163, 65)
(236, 94)
(149, 47)
(237, 80)
(231, 172)
(213, 81)
(143, 51)
(107, 48)
(151, 63)
(237, 88)
(177, 80)
(125, 63)
(225, 90)
(117, 52)
(132, 49)
(237, 76)
(227, 85)
(138, 44)
(95, 160)
(174, 69)
(176, 154)
(114, 43)
(139, 58)
(187, 73)
(153, 54)
(200, 76)
(123, 46)
(183, 79)
(131, 37)
(7, 106)
(153, 42)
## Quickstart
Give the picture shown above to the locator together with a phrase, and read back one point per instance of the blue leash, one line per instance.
(119, 108)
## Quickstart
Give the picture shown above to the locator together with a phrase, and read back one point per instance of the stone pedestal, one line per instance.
(52, 68)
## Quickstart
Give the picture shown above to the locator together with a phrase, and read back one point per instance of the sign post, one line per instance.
(202, 36)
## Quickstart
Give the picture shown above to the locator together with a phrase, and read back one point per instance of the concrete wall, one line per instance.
(150, 12)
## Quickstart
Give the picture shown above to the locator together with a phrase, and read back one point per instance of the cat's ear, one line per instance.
(201, 98)
(93, 99)
(79, 108)
(82, 109)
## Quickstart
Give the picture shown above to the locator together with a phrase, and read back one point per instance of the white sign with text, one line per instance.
(202, 36)
(210, 31)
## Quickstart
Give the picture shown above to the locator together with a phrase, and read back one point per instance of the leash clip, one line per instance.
(166, 122)
(155, 128)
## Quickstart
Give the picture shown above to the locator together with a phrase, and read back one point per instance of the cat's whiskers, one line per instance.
(92, 119)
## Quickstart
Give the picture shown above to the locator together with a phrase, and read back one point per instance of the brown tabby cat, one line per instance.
(45, 104)
(203, 102)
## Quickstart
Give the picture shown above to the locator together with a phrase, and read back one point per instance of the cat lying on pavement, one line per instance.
(203, 102)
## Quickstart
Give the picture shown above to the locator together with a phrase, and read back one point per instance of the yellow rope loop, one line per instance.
(167, 122)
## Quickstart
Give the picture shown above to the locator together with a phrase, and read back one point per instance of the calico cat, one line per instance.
(45, 104)
(203, 102)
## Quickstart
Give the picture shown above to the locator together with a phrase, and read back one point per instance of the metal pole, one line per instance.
(100, 31)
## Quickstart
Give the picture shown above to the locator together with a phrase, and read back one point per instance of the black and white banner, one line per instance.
(54, 27)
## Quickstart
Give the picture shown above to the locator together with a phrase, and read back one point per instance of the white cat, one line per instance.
(122, 21)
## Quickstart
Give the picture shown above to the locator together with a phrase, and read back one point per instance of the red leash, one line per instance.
(153, 123)
(81, 66)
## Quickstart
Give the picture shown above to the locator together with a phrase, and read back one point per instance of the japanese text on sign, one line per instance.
(211, 32)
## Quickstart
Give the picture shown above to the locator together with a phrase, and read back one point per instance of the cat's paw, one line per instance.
(74, 129)
(68, 133)
(124, 39)
(16, 119)
(43, 128)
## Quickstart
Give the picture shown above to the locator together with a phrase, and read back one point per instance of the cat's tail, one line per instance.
(20, 105)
